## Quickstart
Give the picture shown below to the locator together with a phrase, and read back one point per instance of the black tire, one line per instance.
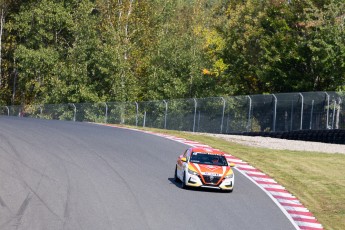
(229, 191)
(175, 176)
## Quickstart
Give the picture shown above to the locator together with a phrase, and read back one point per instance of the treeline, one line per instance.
(59, 51)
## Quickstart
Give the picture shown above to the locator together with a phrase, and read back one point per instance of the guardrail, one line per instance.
(334, 136)
(250, 113)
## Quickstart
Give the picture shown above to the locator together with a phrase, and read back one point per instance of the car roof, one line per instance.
(207, 150)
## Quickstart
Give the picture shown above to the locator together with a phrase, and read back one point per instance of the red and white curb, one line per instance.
(294, 210)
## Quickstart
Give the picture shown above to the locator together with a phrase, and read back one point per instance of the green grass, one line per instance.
(316, 179)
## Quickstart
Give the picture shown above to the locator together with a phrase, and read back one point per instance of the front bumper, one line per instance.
(195, 181)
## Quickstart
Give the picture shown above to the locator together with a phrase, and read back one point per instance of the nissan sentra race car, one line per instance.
(204, 167)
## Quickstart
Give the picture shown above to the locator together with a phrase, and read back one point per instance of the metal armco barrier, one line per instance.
(333, 136)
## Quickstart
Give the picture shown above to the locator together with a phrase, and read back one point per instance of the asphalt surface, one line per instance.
(66, 175)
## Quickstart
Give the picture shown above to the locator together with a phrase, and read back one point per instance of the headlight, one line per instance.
(192, 172)
(229, 176)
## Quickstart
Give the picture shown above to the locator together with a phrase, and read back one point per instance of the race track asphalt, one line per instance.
(71, 175)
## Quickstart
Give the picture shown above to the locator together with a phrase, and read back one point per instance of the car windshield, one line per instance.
(209, 159)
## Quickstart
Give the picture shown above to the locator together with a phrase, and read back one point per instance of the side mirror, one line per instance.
(232, 164)
(184, 159)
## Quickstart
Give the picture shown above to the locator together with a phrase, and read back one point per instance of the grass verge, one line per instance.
(316, 179)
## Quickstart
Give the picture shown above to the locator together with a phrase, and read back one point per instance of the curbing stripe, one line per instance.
(305, 220)
(285, 201)
(271, 186)
(300, 213)
(247, 168)
(192, 142)
(281, 194)
(237, 163)
(303, 217)
(309, 228)
(258, 175)
(296, 209)
(292, 205)
(286, 198)
(313, 225)
(263, 183)
(299, 216)
(277, 190)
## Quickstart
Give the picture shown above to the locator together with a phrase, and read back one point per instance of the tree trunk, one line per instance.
(2, 22)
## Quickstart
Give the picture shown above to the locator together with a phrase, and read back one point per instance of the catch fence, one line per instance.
(232, 114)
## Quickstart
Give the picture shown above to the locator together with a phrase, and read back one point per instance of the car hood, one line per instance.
(210, 169)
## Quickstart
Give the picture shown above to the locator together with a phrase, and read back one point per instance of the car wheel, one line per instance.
(175, 176)
(229, 191)
(184, 186)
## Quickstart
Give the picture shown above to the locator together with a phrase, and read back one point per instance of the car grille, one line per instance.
(211, 179)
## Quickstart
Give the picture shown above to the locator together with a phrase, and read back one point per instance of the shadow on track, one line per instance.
(209, 190)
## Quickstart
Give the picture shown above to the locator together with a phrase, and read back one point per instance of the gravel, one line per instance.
(282, 144)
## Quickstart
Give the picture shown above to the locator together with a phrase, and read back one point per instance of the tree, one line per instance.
(127, 50)
(120, 26)
(324, 46)
(241, 53)
(278, 46)
(40, 30)
(7, 7)
(177, 59)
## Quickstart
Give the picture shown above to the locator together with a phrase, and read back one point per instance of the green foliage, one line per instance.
(274, 46)
(177, 59)
(325, 41)
(99, 50)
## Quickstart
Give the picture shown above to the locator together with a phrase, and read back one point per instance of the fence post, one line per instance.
(122, 119)
(311, 114)
(75, 111)
(136, 116)
(195, 106)
(333, 116)
(327, 115)
(301, 125)
(274, 112)
(338, 113)
(144, 122)
(8, 111)
(106, 113)
(221, 125)
(166, 114)
(198, 127)
(249, 114)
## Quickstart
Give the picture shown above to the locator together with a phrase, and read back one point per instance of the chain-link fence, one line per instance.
(251, 113)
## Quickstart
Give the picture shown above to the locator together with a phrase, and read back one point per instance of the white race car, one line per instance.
(204, 167)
